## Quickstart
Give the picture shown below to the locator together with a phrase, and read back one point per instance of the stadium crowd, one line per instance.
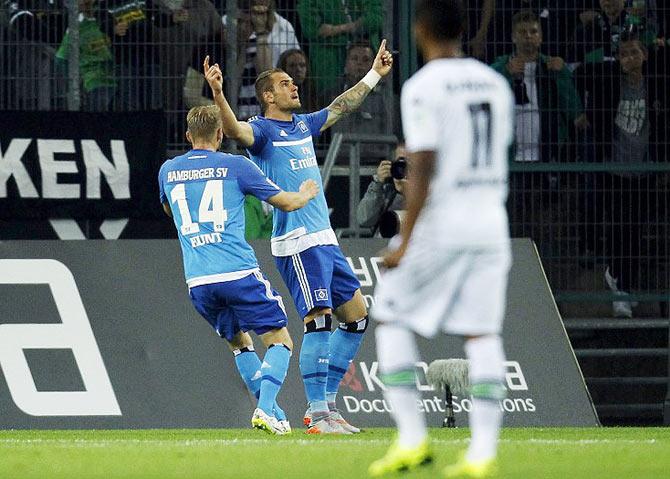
(589, 78)
(128, 46)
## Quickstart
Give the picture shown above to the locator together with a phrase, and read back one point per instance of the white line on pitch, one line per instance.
(303, 442)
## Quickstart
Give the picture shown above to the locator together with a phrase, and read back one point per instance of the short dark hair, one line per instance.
(445, 19)
(524, 16)
(286, 54)
(264, 83)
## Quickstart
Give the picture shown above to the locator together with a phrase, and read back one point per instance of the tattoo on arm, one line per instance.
(347, 102)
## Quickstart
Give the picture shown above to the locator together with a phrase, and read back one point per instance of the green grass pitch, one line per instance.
(571, 453)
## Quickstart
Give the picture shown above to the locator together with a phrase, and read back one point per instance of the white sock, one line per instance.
(397, 355)
(487, 377)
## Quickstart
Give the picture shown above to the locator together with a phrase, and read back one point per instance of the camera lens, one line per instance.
(399, 168)
(389, 223)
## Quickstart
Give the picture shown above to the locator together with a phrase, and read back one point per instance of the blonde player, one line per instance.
(448, 268)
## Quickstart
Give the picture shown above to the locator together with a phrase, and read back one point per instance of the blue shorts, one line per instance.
(247, 304)
(318, 277)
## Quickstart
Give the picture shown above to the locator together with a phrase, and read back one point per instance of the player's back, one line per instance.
(205, 193)
(462, 109)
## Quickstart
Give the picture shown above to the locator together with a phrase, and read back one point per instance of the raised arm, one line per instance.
(477, 44)
(240, 131)
(351, 99)
(294, 200)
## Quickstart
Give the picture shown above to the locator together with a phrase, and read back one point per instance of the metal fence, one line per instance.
(147, 54)
(589, 177)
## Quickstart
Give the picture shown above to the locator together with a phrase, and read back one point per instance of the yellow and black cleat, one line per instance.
(470, 469)
(398, 459)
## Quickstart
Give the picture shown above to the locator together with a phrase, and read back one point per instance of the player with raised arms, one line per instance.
(203, 190)
(448, 269)
(303, 243)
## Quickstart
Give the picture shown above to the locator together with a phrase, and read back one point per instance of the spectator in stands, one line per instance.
(597, 38)
(331, 25)
(196, 23)
(547, 102)
(96, 62)
(645, 12)
(547, 107)
(131, 25)
(28, 33)
(263, 35)
(296, 64)
(384, 194)
(372, 117)
(490, 27)
(627, 105)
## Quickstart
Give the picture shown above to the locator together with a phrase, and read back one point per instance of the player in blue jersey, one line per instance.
(304, 245)
(203, 190)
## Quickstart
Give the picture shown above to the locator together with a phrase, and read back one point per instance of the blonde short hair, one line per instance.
(203, 121)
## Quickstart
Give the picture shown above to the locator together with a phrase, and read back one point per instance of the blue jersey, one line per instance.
(284, 150)
(205, 190)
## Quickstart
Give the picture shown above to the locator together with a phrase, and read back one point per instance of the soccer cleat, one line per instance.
(285, 426)
(398, 459)
(264, 422)
(335, 414)
(465, 468)
(327, 425)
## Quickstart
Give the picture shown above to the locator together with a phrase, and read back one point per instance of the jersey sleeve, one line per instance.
(252, 181)
(161, 189)
(316, 120)
(421, 118)
(260, 138)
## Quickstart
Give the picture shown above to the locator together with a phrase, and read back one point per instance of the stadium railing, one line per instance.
(353, 170)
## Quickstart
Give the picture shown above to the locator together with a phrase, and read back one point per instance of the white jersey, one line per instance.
(463, 111)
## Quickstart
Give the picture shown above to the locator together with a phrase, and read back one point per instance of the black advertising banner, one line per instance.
(101, 334)
(80, 165)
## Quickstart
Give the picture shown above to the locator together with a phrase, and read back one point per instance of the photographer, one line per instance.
(385, 194)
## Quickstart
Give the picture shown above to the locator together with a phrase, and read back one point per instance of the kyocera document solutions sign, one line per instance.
(101, 334)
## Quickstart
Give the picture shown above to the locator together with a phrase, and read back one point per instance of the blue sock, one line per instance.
(249, 367)
(273, 369)
(344, 344)
(314, 362)
(279, 412)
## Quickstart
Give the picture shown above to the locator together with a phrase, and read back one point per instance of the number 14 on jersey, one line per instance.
(210, 210)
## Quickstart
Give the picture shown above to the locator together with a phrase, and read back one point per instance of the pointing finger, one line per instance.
(382, 47)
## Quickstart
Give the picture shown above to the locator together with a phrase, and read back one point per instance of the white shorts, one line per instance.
(455, 291)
